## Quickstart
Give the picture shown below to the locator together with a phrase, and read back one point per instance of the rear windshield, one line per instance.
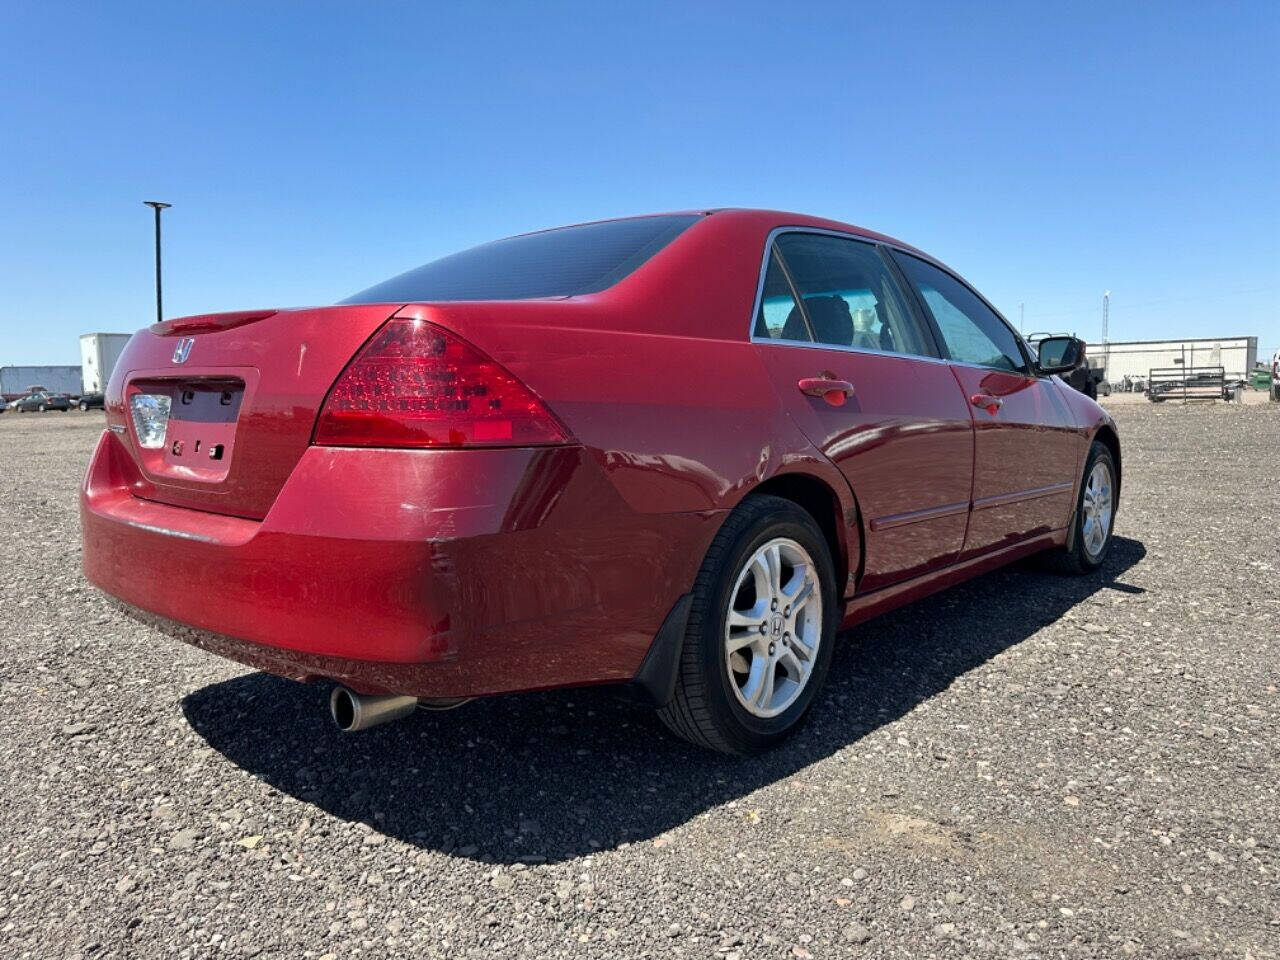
(567, 262)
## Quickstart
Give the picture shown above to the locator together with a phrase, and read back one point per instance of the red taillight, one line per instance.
(417, 385)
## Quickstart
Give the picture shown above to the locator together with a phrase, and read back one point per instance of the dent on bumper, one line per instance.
(435, 573)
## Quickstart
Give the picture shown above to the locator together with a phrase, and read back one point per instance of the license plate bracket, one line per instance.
(202, 429)
(199, 437)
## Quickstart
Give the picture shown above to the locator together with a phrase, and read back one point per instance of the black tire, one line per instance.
(84, 407)
(1077, 559)
(705, 710)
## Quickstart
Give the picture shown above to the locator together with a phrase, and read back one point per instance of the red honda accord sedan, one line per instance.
(678, 452)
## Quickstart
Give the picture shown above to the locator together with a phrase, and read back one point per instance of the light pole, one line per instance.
(157, 206)
(1106, 319)
(1022, 325)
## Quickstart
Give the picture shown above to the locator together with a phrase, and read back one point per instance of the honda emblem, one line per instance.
(183, 349)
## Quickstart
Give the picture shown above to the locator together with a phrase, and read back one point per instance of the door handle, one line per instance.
(834, 391)
(987, 402)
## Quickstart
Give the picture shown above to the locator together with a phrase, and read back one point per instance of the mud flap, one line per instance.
(655, 682)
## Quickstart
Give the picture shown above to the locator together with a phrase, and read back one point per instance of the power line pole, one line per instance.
(1022, 325)
(157, 206)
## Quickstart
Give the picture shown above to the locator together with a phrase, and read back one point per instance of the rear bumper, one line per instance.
(431, 573)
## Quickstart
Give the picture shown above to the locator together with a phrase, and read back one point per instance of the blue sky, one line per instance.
(1047, 152)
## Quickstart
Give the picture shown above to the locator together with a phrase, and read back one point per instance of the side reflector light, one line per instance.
(418, 385)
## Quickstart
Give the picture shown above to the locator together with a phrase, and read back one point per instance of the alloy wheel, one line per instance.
(773, 627)
(1097, 509)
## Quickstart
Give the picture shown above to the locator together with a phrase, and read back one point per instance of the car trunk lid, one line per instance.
(242, 392)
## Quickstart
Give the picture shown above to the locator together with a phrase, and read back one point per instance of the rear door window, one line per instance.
(849, 297)
(972, 331)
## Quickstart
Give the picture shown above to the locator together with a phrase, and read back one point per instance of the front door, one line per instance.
(1026, 445)
(860, 374)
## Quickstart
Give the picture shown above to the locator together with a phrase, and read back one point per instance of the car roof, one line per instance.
(755, 217)
(775, 219)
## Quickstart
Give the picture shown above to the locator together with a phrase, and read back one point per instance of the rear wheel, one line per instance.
(84, 407)
(760, 632)
(1094, 518)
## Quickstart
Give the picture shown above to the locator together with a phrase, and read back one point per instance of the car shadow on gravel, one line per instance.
(552, 776)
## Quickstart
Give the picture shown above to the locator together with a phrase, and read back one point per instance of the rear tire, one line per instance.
(1093, 522)
(84, 407)
(761, 628)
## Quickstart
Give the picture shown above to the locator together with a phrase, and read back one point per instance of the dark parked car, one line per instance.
(42, 401)
(679, 452)
(91, 401)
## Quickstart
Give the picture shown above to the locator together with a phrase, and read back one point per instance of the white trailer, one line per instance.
(1136, 358)
(98, 355)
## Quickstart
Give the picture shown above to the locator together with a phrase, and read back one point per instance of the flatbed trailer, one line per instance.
(1187, 383)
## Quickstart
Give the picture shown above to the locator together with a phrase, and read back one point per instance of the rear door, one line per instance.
(1026, 443)
(859, 372)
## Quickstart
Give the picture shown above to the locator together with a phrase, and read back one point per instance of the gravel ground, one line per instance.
(1022, 766)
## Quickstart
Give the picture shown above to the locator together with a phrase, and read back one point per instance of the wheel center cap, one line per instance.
(776, 625)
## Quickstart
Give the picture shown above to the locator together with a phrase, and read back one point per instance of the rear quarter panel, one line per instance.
(657, 378)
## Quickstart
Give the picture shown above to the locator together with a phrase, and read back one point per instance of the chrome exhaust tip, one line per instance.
(352, 711)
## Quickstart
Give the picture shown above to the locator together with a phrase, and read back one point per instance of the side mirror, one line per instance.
(1059, 354)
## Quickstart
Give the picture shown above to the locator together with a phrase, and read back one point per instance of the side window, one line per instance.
(778, 310)
(849, 296)
(972, 331)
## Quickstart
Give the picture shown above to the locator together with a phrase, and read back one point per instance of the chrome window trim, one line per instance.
(764, 267)
(858, 350)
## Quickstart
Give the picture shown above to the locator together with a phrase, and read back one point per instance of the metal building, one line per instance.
(1134, 358)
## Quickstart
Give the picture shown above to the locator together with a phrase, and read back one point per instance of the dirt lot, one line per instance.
(1022, 766)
